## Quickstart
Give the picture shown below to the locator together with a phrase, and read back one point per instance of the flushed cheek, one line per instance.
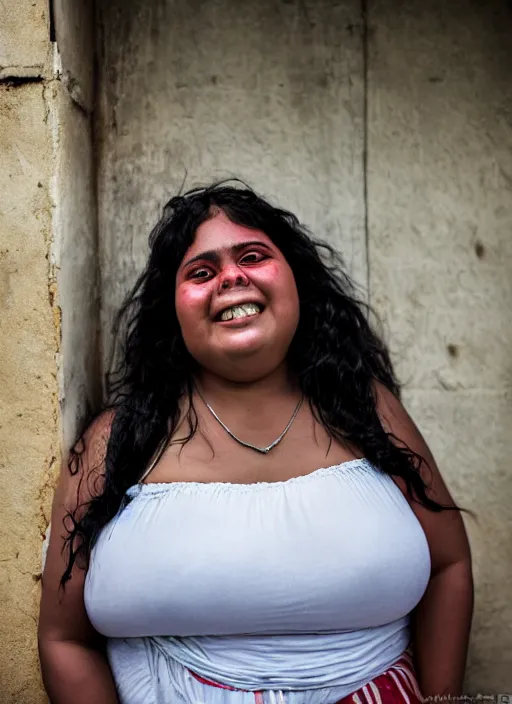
(275, 279)
(272, 273)
(191, 301)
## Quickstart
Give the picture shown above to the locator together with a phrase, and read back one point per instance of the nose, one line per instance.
(232, 277)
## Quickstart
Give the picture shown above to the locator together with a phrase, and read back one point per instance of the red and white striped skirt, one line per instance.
(398, 685)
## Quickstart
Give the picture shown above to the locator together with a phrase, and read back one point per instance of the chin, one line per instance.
(244, 363)
(244, 344)
(242, 352)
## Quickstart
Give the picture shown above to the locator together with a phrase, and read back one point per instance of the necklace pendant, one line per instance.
(262, 450)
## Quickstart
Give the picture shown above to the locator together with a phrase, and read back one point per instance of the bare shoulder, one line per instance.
(62, 613)
(398, 423)
(445, 529)
(394, 417)
(92, 445)
(83, 471)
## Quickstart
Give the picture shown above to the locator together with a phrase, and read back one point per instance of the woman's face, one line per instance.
(236, 300)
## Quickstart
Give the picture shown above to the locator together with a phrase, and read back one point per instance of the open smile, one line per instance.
(239, 313)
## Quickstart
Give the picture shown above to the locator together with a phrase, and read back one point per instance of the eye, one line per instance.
(253, 258)
(201, 274)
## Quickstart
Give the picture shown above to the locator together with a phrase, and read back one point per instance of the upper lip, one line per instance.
(231, 304)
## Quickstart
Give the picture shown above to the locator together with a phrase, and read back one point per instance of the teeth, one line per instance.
(240, 311)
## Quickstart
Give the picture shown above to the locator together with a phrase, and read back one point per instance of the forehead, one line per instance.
(219, 233)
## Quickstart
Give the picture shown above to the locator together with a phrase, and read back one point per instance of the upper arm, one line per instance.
(444, 530)
(62, 611)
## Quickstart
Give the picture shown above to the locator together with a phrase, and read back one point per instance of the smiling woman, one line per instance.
(236, 300)
(254, 517)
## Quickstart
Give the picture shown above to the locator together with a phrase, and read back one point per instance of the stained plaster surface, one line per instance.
(47, 296)
(440, 259)
(28, 386)
(23, 38)
(74, 30)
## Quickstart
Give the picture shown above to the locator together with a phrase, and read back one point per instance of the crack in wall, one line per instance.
(15, 81)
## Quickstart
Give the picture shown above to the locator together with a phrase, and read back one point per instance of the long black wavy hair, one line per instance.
(336, 356)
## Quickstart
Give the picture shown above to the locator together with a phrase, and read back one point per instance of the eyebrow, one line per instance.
(213, 255)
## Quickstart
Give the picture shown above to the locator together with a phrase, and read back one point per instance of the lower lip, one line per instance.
(238, 322)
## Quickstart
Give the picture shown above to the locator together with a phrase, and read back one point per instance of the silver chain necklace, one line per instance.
(262, 450)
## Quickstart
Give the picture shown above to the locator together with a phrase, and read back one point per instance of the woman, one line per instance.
(255, 517)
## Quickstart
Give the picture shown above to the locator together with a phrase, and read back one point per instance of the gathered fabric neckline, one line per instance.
(153, 488)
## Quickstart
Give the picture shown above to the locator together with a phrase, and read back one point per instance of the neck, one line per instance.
(218, 391)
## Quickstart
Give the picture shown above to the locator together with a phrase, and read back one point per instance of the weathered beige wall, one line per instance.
(284, 94)
(24, 39)
(28, 386)
(48, 289)
(28, 344)
(440, 254)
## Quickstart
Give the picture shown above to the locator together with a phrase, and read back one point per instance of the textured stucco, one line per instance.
(440, 258)
(469, 433)
(23, 38)
(48, 298)
(28, 386)
(271, 92)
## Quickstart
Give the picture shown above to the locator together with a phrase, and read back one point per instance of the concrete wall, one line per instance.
(440, 253)
(75, 243)
(48, 321)
(287, 95)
